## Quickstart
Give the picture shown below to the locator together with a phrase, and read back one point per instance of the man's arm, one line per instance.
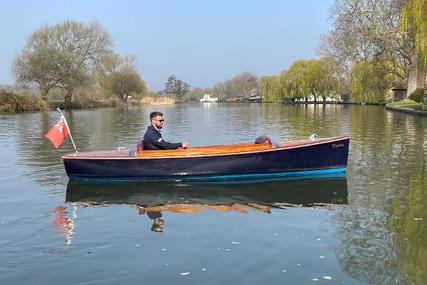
(166, 145)
(154, 138)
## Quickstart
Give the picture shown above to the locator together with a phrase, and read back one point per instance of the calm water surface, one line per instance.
(366, 227)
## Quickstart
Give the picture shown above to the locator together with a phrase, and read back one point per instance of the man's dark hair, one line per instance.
(155, 114)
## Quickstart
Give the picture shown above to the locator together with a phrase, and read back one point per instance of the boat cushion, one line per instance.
(140, 145)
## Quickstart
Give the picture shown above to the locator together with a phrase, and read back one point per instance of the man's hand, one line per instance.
(184, 145)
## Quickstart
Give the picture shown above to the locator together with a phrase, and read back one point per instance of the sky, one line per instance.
(201, 42)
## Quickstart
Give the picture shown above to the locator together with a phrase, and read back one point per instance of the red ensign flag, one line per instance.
(58, 133)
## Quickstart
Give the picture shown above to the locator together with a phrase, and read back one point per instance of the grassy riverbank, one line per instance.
(407, 103)
(15, 102)
(408, 106)
(12, 102)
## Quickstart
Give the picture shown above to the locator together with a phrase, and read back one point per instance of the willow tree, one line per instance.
(409, 233)
(414, 24)
(365, 83)
(370, 82)
(269, 87)
(293, 81)
(319, 79)
(306, 78)
(365, 30)
(414, 21)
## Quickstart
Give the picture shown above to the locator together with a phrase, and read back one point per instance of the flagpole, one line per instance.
(69, 130)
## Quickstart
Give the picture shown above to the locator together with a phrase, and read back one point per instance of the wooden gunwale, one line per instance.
(184, 153)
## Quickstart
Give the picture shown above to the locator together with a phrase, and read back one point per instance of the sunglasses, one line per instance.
(161, 121)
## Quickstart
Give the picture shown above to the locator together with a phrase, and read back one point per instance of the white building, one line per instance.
(208, 99)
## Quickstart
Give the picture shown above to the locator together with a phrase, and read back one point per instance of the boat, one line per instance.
(208, 99)
(313, 156)
(255, 99)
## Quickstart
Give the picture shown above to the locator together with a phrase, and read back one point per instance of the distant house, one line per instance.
(399, 93)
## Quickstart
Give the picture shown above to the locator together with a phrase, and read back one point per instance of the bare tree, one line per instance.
(119, 76)
(242, 85)
(61, 56)
(368, 30)
(81, 47)
(37, 62)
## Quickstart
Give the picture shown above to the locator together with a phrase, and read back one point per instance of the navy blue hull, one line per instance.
(305, 160)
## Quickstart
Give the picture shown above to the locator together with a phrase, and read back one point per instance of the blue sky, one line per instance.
(201, 42)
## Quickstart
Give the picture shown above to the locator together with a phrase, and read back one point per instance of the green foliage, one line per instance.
(408, 226)
(176, 88)
(119, 76)
(124, 83)
(12, 102)
(407, 103)
(269, 87)
(306, 78)
(417, 95)
(413, 22)
(403, 103)
(369, 82)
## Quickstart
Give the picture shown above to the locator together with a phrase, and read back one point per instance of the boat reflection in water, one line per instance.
(155, 198)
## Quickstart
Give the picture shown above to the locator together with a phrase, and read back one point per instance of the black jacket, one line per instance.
(153, 140)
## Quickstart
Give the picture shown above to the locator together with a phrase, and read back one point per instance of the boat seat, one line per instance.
(266, 140)
(140, 145)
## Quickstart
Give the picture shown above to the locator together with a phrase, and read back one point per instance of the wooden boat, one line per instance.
(220, 162)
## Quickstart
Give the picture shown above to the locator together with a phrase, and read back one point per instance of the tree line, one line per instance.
(240, 87)
(373, 46)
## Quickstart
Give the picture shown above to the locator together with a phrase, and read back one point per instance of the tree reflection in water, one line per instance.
(409, 224)
(366, 250)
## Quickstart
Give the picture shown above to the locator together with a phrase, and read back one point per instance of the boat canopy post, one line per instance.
(69, 130)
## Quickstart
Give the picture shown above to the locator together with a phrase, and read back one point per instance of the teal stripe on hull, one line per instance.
(255, 176)
(323, 172)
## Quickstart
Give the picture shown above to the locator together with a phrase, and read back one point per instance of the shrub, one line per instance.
(12, 102)
(417, 95)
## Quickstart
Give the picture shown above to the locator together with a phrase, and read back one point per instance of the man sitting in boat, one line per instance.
(153, 138)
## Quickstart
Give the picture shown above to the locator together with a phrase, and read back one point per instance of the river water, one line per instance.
(368, 226)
